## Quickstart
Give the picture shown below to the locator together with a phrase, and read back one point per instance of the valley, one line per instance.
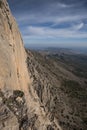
(61, 84)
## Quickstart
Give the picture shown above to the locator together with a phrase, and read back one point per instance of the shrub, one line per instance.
(1, 4)
(18, 93)
(74, 90)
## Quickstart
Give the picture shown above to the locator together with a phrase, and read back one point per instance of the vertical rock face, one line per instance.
(13, 73)
(20, 107)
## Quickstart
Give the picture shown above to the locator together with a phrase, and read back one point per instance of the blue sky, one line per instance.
(51, 22)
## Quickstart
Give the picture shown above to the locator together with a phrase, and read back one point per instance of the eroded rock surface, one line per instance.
(20, 106)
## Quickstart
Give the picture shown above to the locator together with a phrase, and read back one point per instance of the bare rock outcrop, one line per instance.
(20, 107)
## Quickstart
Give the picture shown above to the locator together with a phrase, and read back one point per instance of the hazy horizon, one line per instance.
(73, 48)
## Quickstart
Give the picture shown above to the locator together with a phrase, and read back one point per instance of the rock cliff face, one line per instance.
(13, 73)
(20, 107)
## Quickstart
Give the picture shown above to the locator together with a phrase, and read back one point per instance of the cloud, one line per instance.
(63, 5)
(78, 26)
(39, 11)
(40, 19)
(44, 19)
(47, 32)
(36, 30)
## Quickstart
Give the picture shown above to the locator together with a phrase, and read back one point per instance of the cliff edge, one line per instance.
(20, 107)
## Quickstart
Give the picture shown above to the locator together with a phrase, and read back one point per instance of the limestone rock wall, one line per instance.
(15, 77)
(13, 72)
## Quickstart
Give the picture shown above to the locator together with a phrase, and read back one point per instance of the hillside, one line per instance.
(61, 83)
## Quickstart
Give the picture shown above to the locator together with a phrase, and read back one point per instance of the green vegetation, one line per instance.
(66, 74)
(74, 90)
(85, 121)
(1, 3)
(77, 62)
(1, 94)
(18, 93)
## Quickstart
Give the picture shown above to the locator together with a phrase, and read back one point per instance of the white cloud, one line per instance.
(46, 32)
(48, 17)
(36, 30)
(69, 18)
(78, 26)
(62, 5)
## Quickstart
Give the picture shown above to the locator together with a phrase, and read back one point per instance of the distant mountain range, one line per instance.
(76, 50)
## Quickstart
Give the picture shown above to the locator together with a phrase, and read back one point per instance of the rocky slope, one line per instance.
(62, 93)
(20, 107)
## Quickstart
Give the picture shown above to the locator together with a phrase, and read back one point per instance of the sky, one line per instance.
(51, 22)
